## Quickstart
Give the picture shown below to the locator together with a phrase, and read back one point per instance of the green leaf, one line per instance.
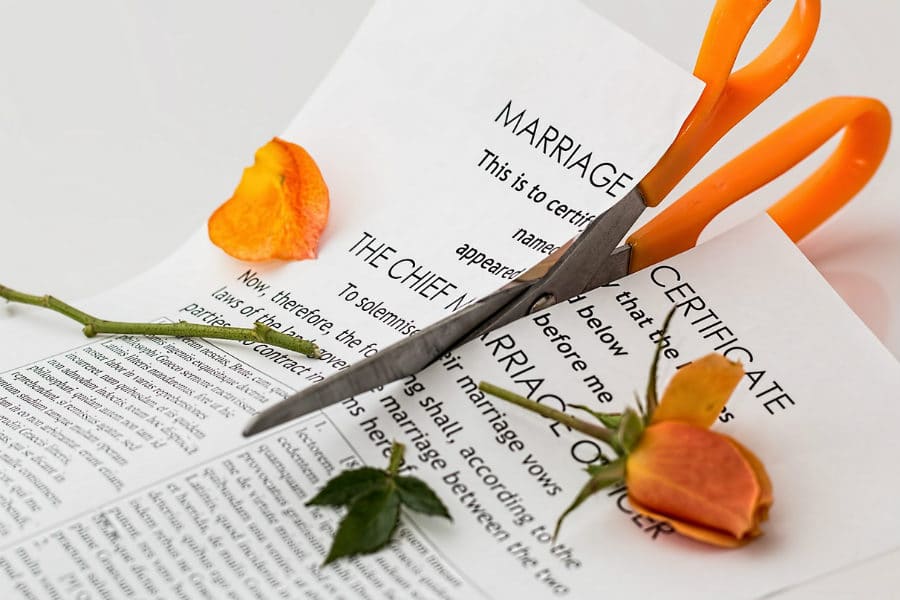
(416, 495)
(373, 497)
(346, 487)
(368, 525)
(610, 420)
(594, 468)
(603, 476)
(630, 429)
(640, 408)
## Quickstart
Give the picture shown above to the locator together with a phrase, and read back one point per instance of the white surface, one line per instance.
(123, 124)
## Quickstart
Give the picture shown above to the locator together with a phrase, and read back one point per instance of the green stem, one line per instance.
(396, 459)
(652, 396)
(596, 431)
(93, 326)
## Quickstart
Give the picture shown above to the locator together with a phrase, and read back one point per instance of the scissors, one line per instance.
(580, 265)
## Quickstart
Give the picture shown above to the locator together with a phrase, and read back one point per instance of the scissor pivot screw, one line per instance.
(544, 301)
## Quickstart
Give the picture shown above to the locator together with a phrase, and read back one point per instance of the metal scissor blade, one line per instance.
(583, 265)
(614, 267)
(398, 360)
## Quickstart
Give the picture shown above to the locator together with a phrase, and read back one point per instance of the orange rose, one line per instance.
(278, 210)
(705, 484)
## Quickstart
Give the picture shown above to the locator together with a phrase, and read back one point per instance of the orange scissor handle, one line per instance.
(867, 125)
(731, 96)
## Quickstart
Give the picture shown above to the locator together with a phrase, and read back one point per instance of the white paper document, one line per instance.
(234, 525)
(453, 167)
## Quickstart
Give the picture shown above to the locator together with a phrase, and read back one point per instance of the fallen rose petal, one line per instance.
(695, 532)
(698, 391)
(766, 497)
(278, 210)
(700, 480)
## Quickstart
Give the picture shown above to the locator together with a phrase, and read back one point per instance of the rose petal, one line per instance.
(696, 476)
(278, 210)
(698, 391)
(696, 532)
(766, 497)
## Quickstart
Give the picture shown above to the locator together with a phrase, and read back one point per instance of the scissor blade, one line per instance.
(398, 360)
(614, 267)
(582, 267)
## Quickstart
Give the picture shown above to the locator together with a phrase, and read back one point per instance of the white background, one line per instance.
(124, 124)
